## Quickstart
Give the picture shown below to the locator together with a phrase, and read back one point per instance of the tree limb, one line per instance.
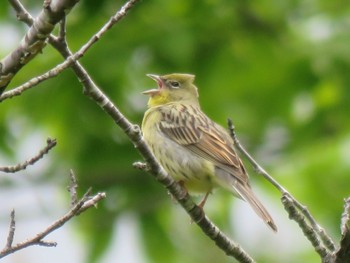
(71, 59)
(35, 38)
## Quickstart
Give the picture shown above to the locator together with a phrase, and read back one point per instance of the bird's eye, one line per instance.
(174, 84)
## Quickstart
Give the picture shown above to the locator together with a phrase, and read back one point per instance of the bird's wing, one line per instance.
(188, 126)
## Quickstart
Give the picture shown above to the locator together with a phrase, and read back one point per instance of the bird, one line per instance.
(193, 149)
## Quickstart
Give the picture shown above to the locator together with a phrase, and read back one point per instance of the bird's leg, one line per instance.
(202, 203)
(204, 200)
(182, 183)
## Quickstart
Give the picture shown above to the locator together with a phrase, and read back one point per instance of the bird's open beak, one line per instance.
(159, 81)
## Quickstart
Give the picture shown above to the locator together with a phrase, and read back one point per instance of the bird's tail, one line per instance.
(242, 189)
(248, 195)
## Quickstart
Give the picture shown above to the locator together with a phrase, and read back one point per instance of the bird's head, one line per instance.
(172, 88)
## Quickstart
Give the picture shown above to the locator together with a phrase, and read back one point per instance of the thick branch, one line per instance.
(50, 143)
(34, 40)
(71, 59)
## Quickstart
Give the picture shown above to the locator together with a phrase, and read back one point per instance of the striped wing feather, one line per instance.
(190, 127)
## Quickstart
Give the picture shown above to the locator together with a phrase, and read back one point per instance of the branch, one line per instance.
(308, 230)
(343, 253)
(322, 242)
(71, 59)
(12, 229)
(50, 143)
(22, 13)
(72, 188)
(82, 205)
(35, 39)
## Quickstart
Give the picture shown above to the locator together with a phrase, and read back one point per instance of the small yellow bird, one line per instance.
(192, 148)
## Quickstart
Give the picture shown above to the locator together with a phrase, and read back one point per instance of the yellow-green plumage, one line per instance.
(191, 147)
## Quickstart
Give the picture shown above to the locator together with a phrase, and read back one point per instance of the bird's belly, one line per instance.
(195, 172)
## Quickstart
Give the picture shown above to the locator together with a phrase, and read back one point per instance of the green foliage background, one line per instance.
(279, 69)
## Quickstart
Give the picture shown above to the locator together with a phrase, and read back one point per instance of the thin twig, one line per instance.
(92, 201)
(21, 13)
(50, 143)
(84, 203)
(255, 165)
(12, 229)
(72, 188)
(326, 239)
(309, 231)
(62, 31)
(47, 243)
(344, 226)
